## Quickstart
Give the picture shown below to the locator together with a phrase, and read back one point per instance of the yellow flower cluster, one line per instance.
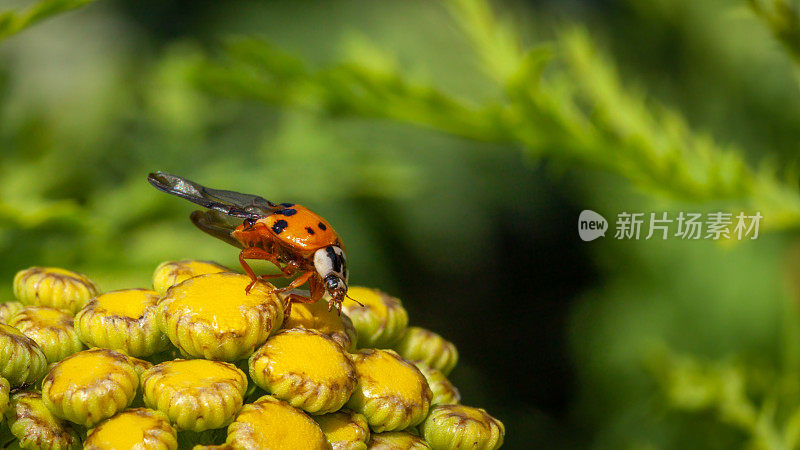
(197, 362)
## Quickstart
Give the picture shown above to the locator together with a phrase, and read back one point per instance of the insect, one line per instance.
(290, 236)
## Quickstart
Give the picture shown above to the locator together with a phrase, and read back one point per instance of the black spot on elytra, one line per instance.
(322, 226)
(287, 205)
(287, 212)
(310, 230)
(279, 226)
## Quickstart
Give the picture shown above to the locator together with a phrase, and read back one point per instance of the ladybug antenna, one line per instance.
(351, 298)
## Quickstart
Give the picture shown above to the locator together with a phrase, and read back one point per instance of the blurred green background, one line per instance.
(452, 144)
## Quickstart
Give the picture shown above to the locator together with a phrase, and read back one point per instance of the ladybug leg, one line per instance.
(297, 298)
(286, 271)
(318, 291)
(316, 287)
(290, 268)
(267, 276)
(296, 283)
(255, 253)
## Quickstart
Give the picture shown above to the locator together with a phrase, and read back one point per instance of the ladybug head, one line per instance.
(331, 265)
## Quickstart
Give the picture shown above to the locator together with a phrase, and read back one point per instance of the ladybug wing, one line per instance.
(228, 202)
(217, 224)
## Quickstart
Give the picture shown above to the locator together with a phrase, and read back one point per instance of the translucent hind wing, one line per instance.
(217, 224)
(227, 202)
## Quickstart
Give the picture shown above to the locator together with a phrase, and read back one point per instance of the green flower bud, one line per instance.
(211, 316)
(345, 429)
(36, 427)
(397, 440)
(306, 368)
(272, 423)
(444, 393)
(316, 316)
(8, 309)
(419, 344)
(170, 273)
(90, 386)
(123, 320)
(22, 361)
(196, 394)
(380, 322)
(391, 392)
(458, 426)
(134, 428)
(50, 286)
(51, 328)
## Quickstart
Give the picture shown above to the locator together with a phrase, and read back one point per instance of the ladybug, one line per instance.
(292, 237)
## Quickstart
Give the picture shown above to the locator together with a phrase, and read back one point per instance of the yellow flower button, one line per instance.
(123, 320)
(8, 309)
(380, 321)
(170, 273)
(51, 286)
(90, 386)
(139, 428)
(212, 317)
(444, 393)
(315, 316)
(459, 426)
(51, 328)
(306, 368)
(397, 440)
(345, 429)
(419, 344)
(36, 427)
(22, 361)
(276, 425)
(391, 392)
(195, 394)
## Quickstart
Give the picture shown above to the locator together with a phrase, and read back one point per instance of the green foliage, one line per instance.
(783, 19)
(34, 212)
(562, 100)
(256, 70)
(12, 22)
(762, 404)
(691, 385)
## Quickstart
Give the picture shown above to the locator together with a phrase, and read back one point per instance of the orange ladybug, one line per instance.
(290, 236)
